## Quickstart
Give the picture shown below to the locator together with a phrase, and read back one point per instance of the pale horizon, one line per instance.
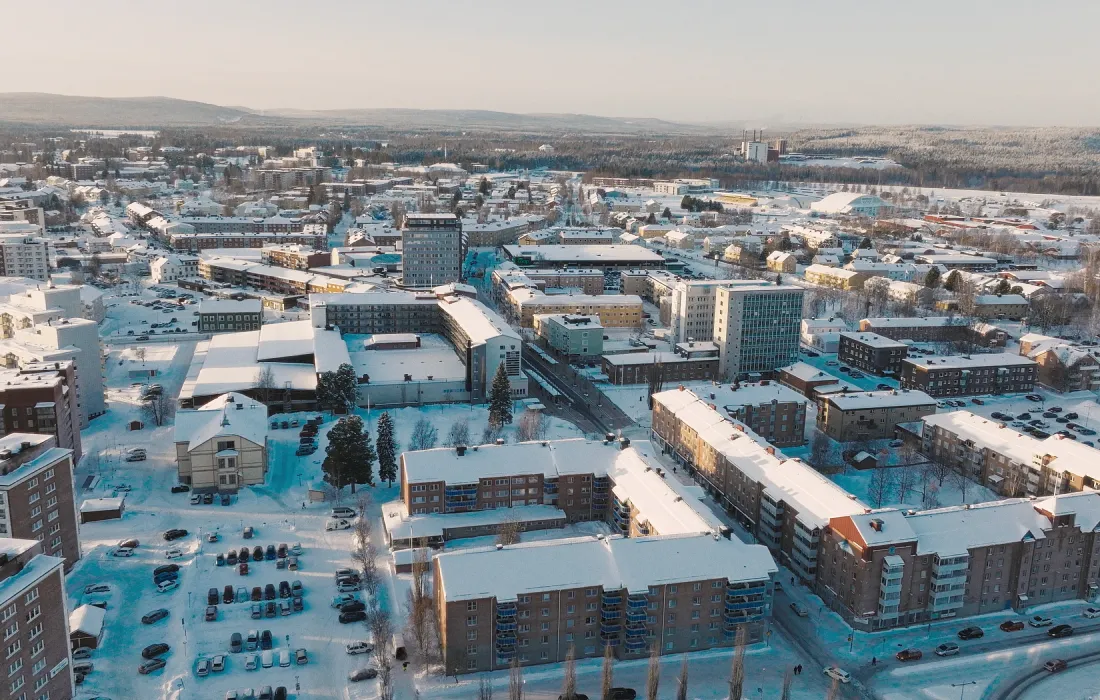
(767, 63)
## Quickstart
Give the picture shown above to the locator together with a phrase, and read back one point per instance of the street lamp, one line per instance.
(962, 687)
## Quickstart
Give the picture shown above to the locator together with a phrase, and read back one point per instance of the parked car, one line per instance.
(252, 641)
(196, 499)
(242, 594)
(162, 569)
(165, 586)
(248, 532)
(174, 534)
(284, 658)
(338, 524)
(348, 617)
(269, 592)
(217, 663)
(228, 595)
(212, 596)
(258, 553)
(339, 600)
(235, 643)
(154, 616)
(284, 607)
(250, 662)
(243, 554)
(352, 606)
(837, 673)
(257, 611)
(343, 512)
(281, 551)
(947, 649)
(151, 665)
(257, 594)
(265, 639)
(909, 655)
(1092, 612)
(1059, 631)
(347, 587)
(284, 589)
(622, 694)
(242, 569)
(154, 650)
(1040, 621)
(211, 613)
(231, 557)
(270, 610)
(971, 633)
(267, 659)
(202, 667)
(82, 653)
(270, 554)
(355, 648)
(297, 603)
(173, 553)
(799, 609)
(123, 552)
(362, 674)
(292, 563)
(301, 658)
(1011, 626)
(1055, 665)
(99, 588)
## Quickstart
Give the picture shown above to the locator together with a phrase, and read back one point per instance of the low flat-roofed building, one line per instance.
(429, 373)
(219, 315)
(571, 336)
(872, 352)
(404, 531)
(835, 277)
(931, 329)
(592, 256)
(871, 415)
(806, 379)
(969, 375)
(636, 367)
(613, 310)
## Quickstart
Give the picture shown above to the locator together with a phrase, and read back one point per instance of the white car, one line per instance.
(135, 454)
(1092, 612)
(212, 537)
(165, 586)
(250, 662)
(338, 524)
(838, 673)
(123, 552)
(947, 649)
(1040, 621)
(338, 601)
(343, 512)
(267, 658)
(174, 553)
(202, 667)
(356, 648)
(284, 658)
(347, 587)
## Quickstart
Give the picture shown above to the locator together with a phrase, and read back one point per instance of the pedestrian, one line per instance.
(874, 661)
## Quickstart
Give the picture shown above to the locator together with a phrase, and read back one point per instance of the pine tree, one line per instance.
(350, 455)
(345, 387)
(500, 399)
(387, 449)
(932, 279)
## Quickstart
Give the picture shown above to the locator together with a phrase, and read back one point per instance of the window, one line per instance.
(471, 635)
(471, 606)
(471, 620)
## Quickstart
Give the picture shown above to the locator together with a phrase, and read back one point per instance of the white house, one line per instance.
(173, 267)
(222, 445)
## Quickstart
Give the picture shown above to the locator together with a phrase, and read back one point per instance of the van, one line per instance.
(399, 651)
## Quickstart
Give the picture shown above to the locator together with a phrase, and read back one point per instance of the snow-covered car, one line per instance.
(202, 667)
(837, 673)
(173, 553)
(267, 658)
(1040, 621)
(284, 658)
(356, 648)
(1092, 612)
(362, 674)
(165, 586)
(250, 662)
(105, 588)
(339, 600)
(136, 454)
(123, 552)
(212, 537)
(217, 663)
(301, 658)
(337, 524)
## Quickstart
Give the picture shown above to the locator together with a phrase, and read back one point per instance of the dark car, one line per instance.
(220, 559)
(284, 589)
(174, 534)
(1072, 415)
(166, 576)
(1011, 626)
(235, 643)
(258, 553)
(212, 596)
(1055, 409)
(352, 606)
(227, 594)
(909, 655)
(243, 554)
(207, 498)
(211, 613)
(297, 603)
(181, 488)
(1059, 631)
(270, 554)
(573, 696)
(971, 633)
(270, 609)
(225, 499)
(154, 616)
(231, 557)
(154, 650)
(1055, 665)
(357, 616)
(362, 674)
(151, 665)
(165, 568)
(265, 639)
(281, 551)
(269, 592)
(280, 693)
(1024, 416)
(257, 594)
(242, 569)
(622, 694)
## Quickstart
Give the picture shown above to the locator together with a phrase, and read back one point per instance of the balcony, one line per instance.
(635, 616)
(612, 599)
(608, 629)
(610, 642)
(506, 626)
(637, 602)
(635, 645)
(460, 491)
(504, 656)
(746, 605)
(743, 590)
(505, 642)
(610, 614)
(635, 631)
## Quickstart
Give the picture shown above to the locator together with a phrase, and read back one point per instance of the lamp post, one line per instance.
(962, 687)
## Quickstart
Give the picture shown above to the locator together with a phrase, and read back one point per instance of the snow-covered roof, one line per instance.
(913, 321)
(807, 372)
(592, 254)
(329, 350)
(99, 505)
(478, 321)
(997, 359)
(87, 619)
(872, 339)
(612, 563)
(229, 415)
(285, 340)
(230, 306)
(956, 530)
(402, 526)
(1000, 299)
(881, 399)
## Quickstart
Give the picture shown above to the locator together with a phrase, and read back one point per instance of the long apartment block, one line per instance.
(531, 603)
(958, 375)
(1007, 461)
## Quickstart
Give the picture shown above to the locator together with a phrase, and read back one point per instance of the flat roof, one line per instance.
(402, 526)
(872, 339)
(997, 359)
(881, 399)
(591, 254)
(612, 563)
(230, 306)
(434, 357)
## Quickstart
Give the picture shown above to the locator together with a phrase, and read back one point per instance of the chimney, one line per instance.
(460, 450)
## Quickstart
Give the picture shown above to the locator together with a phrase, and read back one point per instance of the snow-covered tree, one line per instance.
(350, 455)
(500, 399)
(387, 449)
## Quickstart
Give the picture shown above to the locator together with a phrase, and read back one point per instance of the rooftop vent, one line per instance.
(460, 450)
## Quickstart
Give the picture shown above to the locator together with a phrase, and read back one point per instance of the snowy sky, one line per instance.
(782, 61)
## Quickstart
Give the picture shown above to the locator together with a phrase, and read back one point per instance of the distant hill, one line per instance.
(72, 110)
(152, 112)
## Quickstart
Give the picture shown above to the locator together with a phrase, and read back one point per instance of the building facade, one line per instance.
(871, 415)
(432, 250)
(36, 494)
(956, 375)
(220, 315)
(756, 328)
(872, 352)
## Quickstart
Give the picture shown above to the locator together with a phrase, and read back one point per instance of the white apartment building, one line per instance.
(173, 267)
(24, 256)
(432, 250)
(75, 339)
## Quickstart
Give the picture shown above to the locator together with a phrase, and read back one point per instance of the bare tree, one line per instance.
(653, 673)
(459, 433)
(381, 628)
(515, 681)
(530, 427)
(929, 486)
(906, 480)
(882, 481)
(265, 384)
(159, 409)
(569, 682)
(139, 353)
(821, 449)
(682, 687)
(424, 435)
(961, 481)
(737, 667)
(509, 530)
(419, 605)
(365, 554)
(484, 689)
(607, 673)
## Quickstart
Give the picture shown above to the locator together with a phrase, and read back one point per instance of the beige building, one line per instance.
(614, 310)
(222, 445)
(779, 261)
(835, 277)
(871, 415)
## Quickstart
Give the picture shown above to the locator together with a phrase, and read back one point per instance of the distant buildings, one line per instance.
(24, 256)
(613, 310)
(835, 277)
(170, 268)
(933, 329)
(572, 336)
(690, 361)
(852, 203)
(601, 257)
(1063, 366)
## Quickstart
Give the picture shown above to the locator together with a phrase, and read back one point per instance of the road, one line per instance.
(591, 405)
(1019, 686)
(800, 633)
